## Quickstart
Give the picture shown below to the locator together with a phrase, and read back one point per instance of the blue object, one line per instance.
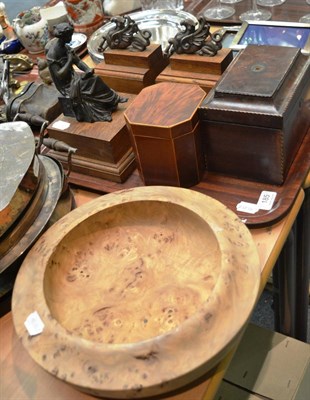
(290, 36)
(10, 46)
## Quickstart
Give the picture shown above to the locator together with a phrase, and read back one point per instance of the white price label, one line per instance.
(61, 125)
(246, 207)
(34, 324)
(266, 200)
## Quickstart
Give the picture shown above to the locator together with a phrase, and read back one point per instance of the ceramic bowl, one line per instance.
(163, 24)
(78, 40)
(140, 291)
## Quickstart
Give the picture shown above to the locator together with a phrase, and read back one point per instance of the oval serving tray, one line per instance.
(140, 291)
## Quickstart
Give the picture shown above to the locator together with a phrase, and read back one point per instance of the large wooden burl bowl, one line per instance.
(140, 291)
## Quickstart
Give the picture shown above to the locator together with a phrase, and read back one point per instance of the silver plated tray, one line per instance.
(31, 229)
(163, 24)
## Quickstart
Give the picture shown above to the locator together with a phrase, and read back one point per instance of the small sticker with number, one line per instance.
(62, 125)
(266, 200)
(246, 207)
(34, 324)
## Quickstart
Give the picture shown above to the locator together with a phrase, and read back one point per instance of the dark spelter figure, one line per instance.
(195, 41)
(91, 99)
(125, 34)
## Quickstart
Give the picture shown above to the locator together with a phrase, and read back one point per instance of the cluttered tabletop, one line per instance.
(132, 146)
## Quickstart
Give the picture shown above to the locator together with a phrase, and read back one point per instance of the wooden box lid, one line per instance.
(260, 87)
(167, 109)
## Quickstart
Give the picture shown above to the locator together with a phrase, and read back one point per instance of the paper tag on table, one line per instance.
(34, 324)
(246, 207)
(61, 125)
(266, 200)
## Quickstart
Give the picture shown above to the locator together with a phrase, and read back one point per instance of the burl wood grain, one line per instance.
(103, 279)
(141, 291)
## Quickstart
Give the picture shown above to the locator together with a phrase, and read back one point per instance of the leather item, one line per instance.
(36, 99)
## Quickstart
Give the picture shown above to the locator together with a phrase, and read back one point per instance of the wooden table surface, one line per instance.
(23, 379)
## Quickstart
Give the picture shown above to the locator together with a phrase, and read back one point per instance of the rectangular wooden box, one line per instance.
(255, 118)
(128, 71)
(104, 149)
(213, 65)
(195, 69)
(95, 141)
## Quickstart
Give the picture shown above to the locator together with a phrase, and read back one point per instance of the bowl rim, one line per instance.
(198, 349)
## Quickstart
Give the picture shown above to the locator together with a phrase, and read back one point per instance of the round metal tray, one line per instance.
(36, 216)
(140, 291)
(163, 24)
(20, 172)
